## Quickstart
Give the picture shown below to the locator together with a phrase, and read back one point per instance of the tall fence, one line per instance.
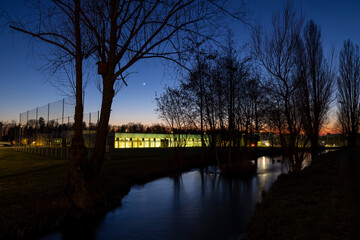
(52, 125)
(55, 113)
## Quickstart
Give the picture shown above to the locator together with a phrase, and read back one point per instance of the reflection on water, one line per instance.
(200, 204)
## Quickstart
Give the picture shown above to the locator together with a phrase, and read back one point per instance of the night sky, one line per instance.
(23, 87)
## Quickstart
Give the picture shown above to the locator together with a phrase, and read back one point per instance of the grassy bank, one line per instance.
(321, 202)
(31, 186)
(32, 202)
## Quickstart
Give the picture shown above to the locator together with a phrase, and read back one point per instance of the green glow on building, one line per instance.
(157, 140)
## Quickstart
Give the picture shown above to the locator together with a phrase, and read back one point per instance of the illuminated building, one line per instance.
(157, 140)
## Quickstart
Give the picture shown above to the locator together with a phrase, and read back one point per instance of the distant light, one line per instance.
(144, 83)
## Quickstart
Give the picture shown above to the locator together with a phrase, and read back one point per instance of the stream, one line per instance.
(198, 204)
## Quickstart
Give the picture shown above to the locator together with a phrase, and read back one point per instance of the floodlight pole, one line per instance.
(36, 127)
(19, 130)
(62, 117)
(89, 129)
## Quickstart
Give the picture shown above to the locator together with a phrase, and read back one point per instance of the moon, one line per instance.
(144, 83)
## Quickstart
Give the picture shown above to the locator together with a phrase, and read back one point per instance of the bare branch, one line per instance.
(42, 37)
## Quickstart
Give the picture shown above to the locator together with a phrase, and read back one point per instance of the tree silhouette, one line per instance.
(41, 125)
(63, 29)
(173, 107)
(122, 33)
(194, 85)
(276, 52)
(348, 84)
(126, 32)
(316, 84)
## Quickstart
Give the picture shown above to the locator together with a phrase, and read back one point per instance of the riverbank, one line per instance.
(321, 202)
(32, 202)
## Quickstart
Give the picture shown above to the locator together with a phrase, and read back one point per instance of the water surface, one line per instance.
(195, 205)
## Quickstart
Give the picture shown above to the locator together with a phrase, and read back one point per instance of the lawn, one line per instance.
(321, 202)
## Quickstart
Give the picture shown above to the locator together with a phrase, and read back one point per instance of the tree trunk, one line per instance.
(314, 147)
(81, 185)
(100, 144)
(352, 139)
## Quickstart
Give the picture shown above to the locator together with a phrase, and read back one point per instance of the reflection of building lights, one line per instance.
(263, 161)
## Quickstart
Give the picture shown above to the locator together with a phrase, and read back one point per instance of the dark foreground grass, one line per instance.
(321, 202)
(32, 200)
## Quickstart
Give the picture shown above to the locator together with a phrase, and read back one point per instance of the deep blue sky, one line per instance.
(23, 87)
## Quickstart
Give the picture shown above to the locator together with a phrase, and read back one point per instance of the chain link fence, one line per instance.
(52, 125)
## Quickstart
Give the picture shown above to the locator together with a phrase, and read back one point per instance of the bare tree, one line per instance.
(174, 107)
(276, 52)
(348, 84)
(124, 33)
(251, 108)
(316, 83)
(59, 24)
(127, 32)
(195, 85)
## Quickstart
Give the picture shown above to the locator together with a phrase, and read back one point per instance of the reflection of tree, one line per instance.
(177, 186)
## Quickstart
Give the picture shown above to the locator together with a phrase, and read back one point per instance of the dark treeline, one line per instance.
(139, 128)
(10, 131)
(284, 85)
(52, 129)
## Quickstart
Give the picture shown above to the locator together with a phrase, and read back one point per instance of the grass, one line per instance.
(29, 185)
(321, 202)
(32, 202)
